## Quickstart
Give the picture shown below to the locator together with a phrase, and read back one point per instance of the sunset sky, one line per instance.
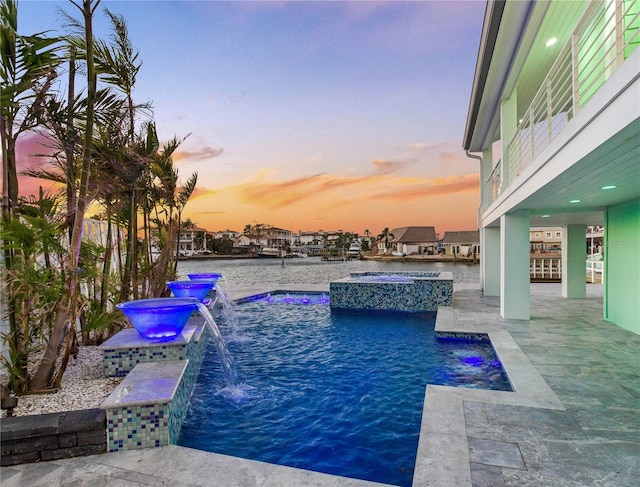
(306, 115)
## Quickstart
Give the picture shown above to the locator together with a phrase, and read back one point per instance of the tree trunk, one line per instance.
(69, 148)
(126, 278)
(68, 306)
(106, 268)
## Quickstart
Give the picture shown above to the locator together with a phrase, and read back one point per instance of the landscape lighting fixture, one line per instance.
(545, 216)
(551, 42)
(610, 186)
(575, 201)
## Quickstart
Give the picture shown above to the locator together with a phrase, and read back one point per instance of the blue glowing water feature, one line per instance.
(159, 318)
(191, 289)
(334, 391)
(293, 298)
(206, 276)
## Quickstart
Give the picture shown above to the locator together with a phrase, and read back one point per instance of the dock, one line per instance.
(335, 254)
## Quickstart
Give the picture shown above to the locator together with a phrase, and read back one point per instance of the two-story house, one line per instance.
(554, 121)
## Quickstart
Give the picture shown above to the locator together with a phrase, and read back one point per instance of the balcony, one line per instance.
(604, 38)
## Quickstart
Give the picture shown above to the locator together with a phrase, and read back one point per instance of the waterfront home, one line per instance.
(414, 240)
(545, 239)
(466, 243)
(192, 240)
(277, 237)
(554, 120)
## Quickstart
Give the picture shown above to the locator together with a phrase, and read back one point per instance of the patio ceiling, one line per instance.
(614, 163)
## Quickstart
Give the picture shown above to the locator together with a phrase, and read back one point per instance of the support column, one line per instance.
(574, 282)
(490, 261)
(515, 290)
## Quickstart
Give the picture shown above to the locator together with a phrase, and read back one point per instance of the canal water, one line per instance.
(311, 270)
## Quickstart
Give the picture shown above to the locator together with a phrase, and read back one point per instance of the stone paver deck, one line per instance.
(574, 418)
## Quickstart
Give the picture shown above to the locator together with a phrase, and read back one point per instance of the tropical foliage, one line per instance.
(106, 157)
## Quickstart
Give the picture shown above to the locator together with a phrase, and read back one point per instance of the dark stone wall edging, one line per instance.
(27, 439)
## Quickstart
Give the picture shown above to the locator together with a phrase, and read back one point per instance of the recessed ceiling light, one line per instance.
(610, 186)
(545, 216)
(551, 42)
(575, 201)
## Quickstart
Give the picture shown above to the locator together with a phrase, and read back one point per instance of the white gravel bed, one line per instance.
(82, 387)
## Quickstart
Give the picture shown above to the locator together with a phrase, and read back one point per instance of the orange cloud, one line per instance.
(276, 194)
(199, 155)
(433, 187)
(200, 192)
(388, 167)
(32, 152)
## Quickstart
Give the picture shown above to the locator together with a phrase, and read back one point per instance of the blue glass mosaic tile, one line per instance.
(154, 424)
(426, 292)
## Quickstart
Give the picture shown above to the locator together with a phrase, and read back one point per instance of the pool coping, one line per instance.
(443, 456)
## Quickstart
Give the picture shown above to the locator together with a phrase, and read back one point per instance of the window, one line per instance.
(538, 234)
(548, 234)
(558, 234)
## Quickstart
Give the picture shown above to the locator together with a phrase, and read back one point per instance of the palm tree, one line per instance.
(32, 288)
(68, 307)
(28, 70)
(385, 235)
(168, 202)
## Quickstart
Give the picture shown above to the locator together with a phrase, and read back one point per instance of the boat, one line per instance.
(354, 250)
(269, 252)
(297, 254)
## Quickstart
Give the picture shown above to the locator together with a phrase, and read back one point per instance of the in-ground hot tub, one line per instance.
(403, 291)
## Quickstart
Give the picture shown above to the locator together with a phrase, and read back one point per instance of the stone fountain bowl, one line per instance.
(191, 289)
(207, 276)
(162, 318)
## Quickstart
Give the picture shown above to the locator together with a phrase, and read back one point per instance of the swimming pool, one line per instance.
(339, 392)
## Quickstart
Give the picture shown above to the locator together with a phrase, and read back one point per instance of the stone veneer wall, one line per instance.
(28, 439)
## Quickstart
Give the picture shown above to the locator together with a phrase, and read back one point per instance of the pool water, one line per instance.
(339, 392)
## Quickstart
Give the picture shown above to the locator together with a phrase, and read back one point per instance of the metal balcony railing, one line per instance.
(494, 184)
(605, 37)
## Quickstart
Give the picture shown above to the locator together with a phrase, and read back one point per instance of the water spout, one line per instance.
(228, 366)
(230, 317)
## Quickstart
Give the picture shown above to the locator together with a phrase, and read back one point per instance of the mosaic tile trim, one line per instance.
(159, 424)
(119, 362)
(418, 274)
(419, 295)
(481, 337)
(135, 427)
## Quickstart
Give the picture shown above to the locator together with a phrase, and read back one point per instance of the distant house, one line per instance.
(243, 241)
(230, 234)
(191, 240)
(545, 239)
(277, 237)
(309, 238)
(465, 243)
(414, 240)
